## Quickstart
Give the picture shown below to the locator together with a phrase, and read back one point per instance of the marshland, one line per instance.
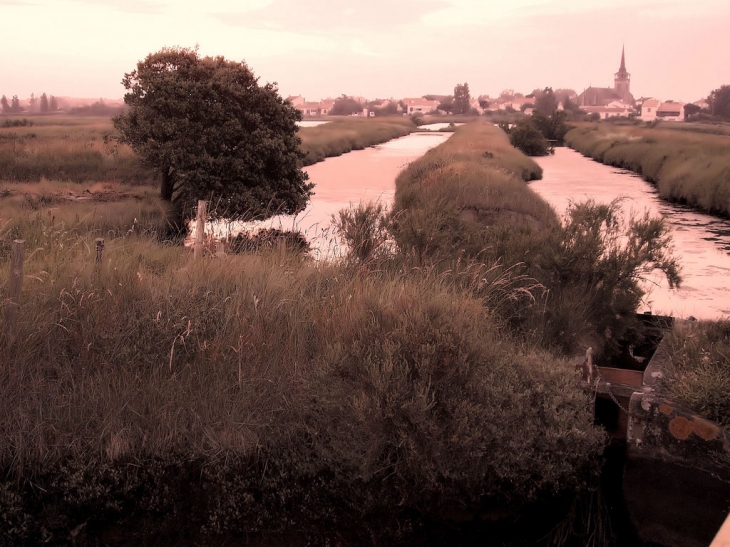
(419, 390)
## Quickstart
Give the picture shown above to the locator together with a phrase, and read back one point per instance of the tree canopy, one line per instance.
(461, 102)
(213, 132)
(345, 106)
(719, 101)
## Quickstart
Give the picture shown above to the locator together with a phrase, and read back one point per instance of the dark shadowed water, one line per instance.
(702, 242)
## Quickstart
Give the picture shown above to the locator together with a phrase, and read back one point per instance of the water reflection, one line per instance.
(343, 181)
(702, 242)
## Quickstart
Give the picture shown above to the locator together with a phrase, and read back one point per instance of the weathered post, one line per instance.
(14, 284)
(200, 228)
(99, 257)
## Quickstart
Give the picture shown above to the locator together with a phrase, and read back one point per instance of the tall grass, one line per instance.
(267, 395)
(687, 167)
(699, 368)
(467, 199)
(68, 149)
(340, 136)
(79, 149)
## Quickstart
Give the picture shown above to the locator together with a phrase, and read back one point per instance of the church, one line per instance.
(603, 96)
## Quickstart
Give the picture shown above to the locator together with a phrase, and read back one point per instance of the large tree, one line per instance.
(719, 101)
(5, 104)
(214, 132)
(44, 103)
(461, 99)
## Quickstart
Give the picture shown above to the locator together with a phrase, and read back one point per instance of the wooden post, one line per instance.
(99, 257)
(200, 228)
(14, 284)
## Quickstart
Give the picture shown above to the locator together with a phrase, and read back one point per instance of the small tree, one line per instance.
(33, 103)
(15, 105)
(546, 103)
(44, 103)
(528, 139)
(462, 99)
(447, 105)
(53, 104)
(212, 131)
(345, 106)
(5, 104)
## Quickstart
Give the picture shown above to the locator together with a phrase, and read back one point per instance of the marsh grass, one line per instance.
(67, 148)
(265, 393)
(699, 371)
(686, 166)
(340, 136)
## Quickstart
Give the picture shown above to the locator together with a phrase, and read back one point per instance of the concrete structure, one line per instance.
(649, 109)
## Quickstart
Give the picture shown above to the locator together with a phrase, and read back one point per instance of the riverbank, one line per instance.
(687, 167)
(339, 136)
(265, 398)
(72, 149)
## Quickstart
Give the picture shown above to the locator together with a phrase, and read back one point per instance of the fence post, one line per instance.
(14, 284)
(99, 257)
(200, 228)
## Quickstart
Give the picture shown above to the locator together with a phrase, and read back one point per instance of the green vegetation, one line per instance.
(687, 167)
(79, 149)
(212, 132)
(468, 198)
(266, 395)
(68, 148)
(267, 398)
(699, 371)
(340, 136)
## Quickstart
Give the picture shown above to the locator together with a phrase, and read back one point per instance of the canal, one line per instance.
(702, 242)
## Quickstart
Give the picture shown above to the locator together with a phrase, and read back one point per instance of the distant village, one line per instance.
(594, 102)
(597, 102)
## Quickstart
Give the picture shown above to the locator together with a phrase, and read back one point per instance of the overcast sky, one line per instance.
(375, 48)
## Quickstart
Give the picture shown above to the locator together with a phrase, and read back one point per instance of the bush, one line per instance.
(527, 138)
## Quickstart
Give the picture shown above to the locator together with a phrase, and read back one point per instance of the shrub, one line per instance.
(526, 137)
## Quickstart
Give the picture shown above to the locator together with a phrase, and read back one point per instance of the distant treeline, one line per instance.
(48, 104)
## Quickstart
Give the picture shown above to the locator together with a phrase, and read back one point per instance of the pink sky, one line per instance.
(379, 48)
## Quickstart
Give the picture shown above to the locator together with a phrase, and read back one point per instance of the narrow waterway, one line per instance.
(344, 181)
(702, 242)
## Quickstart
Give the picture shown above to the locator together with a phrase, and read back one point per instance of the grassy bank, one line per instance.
(268, 398)
(687, 166)
(342, 135)
(468, 198)
(78, 149)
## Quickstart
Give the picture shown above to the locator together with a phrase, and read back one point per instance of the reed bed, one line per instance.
(269, 397)
(687, 166)
(343, 135)
(468, 199)
(82, 150)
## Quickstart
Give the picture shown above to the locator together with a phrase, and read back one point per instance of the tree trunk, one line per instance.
(167, 185)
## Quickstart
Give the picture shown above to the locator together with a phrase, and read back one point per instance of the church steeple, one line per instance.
(622, 68)
(622, 80)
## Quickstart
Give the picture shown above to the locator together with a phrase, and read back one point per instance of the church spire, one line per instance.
(622, 68)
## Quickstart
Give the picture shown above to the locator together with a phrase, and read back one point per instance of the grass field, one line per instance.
(270, 397)
(78, 149)
(687, 166)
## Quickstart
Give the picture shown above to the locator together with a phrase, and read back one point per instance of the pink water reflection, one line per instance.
(702, 242)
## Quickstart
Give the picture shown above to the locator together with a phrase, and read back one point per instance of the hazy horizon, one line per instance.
(322, 48)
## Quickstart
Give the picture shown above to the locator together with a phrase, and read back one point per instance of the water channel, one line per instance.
(702, 242)
(344, 181)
